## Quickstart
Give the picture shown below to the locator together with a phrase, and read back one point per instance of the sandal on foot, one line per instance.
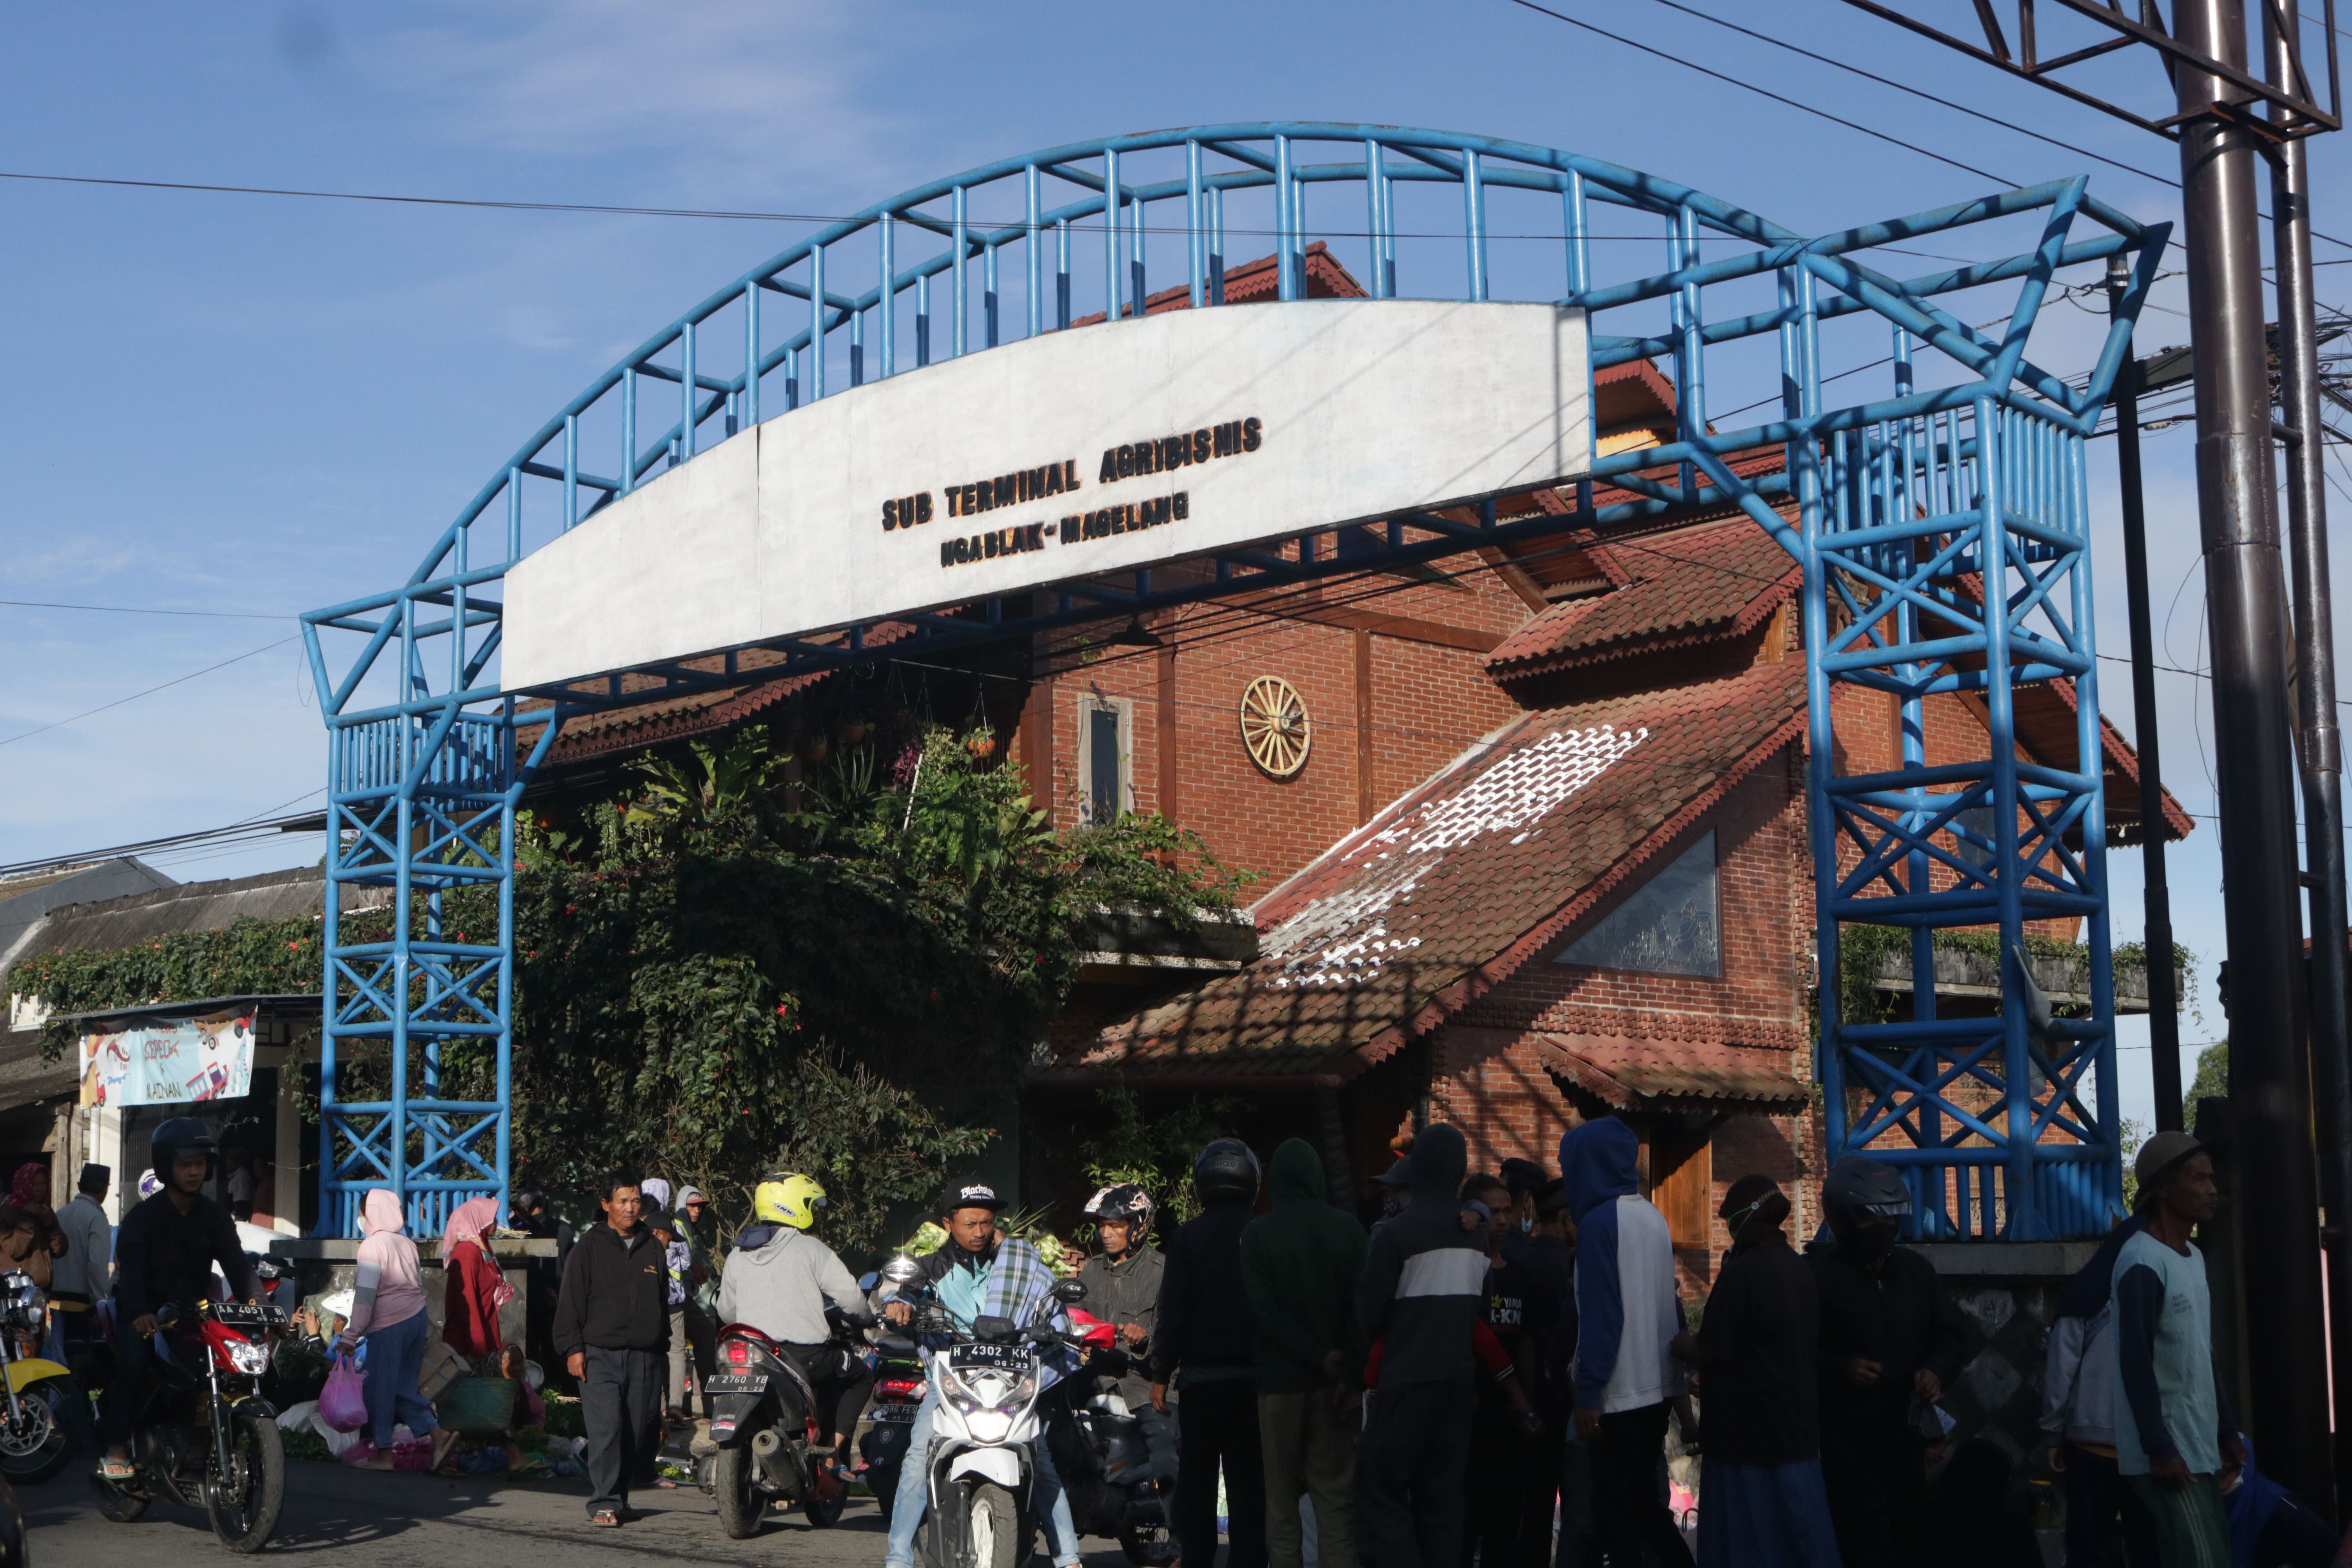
(609, 1517)
(118, 1469)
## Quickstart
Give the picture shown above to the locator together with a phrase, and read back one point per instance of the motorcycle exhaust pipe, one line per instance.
(768, 1453)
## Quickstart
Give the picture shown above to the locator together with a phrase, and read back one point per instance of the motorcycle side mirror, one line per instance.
(1070, 1292)
(900, 1269)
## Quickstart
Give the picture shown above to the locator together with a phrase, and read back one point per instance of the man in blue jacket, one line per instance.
(1423, 1292)
(1627, 1317)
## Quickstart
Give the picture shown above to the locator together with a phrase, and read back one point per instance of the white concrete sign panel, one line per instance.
(1099, 449)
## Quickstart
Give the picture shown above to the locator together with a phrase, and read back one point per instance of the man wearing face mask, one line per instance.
(1890, 1341)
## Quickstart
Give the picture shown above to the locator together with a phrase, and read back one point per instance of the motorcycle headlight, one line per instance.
(248, 1357)
(988, 1426)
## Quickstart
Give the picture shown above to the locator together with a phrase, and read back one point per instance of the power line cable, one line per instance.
(179, 680)
(138, 610)
(1763, 92)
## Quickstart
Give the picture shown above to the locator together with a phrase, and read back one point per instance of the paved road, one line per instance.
(402, 1520)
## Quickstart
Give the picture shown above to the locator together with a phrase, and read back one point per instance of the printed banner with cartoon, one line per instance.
(205, 1058)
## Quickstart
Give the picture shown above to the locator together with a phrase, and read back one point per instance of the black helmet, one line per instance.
(181, 1135)
(1225, 1169)
(1859, 1185)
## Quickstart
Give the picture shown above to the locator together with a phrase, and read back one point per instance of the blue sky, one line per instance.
(256, 405)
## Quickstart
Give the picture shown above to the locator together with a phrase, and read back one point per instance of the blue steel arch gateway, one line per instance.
(1942, 526)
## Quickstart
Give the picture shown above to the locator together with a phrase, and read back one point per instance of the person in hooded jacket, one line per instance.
(1300, 1262)
(1761, 1475)
(2078, 1411)
(1627, 1317)
(1890, 1337)
(388, 1312)
(1422, 1294)
(1206, 1345)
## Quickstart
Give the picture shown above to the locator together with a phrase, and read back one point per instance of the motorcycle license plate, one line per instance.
(737, 1383)
(993, 1358)
(249, 1315)
(905, 1413)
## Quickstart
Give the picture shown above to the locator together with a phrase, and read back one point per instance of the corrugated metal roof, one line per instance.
(109, 925)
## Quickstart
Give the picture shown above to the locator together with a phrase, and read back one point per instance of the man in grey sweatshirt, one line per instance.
(780, 1288)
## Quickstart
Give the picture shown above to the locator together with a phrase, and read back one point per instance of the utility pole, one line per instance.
(2211, 113)
(2163, 985)
(2246, 605)
(2318, 749)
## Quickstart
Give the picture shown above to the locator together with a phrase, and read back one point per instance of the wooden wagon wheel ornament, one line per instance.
(1274, 726)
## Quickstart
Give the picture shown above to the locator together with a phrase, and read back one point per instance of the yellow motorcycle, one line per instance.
(47, 1417)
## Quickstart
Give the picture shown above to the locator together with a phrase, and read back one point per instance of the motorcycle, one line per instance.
(768, 1443)
(203, 1434)
(46, 1420)
(1100, 1453)
(982, 1460)
(898, 1390)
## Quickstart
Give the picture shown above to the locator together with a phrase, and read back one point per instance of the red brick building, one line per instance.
(1528, 824)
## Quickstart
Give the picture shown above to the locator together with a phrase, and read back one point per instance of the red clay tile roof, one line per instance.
(1630, 1075)
(1681, 587)
(1454, 886)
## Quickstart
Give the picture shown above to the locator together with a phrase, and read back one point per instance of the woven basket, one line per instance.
(480, 1406)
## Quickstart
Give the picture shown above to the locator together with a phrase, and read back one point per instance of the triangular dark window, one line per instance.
(1672, 926)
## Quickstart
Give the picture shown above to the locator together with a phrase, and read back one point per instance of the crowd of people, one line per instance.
(1489, 1373)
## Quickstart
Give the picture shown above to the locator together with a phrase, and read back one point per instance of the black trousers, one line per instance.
(118, 1407)
(2095, 1495)
(1409, 1468)
(1876, 1474)
(621, 1406)
(1538, 1493)
(842, 1382)
(1216, 1423)
(1626, 1512)
(1495, 1485)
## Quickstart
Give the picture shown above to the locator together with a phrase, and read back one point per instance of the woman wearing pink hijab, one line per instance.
(388, 1312)
(477, 1288)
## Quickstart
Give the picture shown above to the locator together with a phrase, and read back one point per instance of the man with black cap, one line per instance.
(1206, 1345)
(2175, 1435)
(974, 1273)
(85, 1275)
(1890, 1340)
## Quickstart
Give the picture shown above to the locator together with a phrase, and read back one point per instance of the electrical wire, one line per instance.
(138, 610)
(178, 680)
(1763, 92)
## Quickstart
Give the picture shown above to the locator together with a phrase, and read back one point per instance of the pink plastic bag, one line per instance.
(343, 1404)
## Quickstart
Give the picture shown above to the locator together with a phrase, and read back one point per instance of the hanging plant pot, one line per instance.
(851, 732)
(813, 749)
(982, 745)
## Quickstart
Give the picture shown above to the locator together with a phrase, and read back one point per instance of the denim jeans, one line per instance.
(915, 1493)
(395, 1355)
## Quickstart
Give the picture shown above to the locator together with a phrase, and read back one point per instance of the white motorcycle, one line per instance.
(982, 1460)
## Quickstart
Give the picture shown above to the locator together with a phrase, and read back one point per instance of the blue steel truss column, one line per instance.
(1941, 535)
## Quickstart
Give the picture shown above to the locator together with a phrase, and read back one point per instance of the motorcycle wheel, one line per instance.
(244, 1503)
(46, 1441)
(884, 1485)
(730, 1481)
(1149, 1547)
(114, 1502)
(823, 1511)
(994, 1531)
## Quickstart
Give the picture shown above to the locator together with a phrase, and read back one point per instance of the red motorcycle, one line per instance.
(203, 1434)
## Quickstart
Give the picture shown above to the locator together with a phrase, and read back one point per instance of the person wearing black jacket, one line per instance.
(1891, 1339)
(1423, 1296)
(164, 1257)
(612, 1327)
(1761, 1475)
(1206, 1344)
(528, 1213)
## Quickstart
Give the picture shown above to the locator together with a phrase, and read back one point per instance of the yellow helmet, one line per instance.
(789, 1199)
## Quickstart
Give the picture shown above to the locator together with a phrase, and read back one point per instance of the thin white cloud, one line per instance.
(745, 96)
